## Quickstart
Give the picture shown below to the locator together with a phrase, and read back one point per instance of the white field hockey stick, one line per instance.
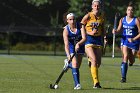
(115, 27)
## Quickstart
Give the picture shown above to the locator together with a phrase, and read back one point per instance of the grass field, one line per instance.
(33, 74)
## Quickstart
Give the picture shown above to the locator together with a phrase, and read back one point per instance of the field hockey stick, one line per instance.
(55, 85)
(105, 43)
(115, 27)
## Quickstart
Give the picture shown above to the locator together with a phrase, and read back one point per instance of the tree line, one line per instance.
(50, 12)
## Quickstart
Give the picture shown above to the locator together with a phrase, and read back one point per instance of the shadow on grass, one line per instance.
(131, 88)
(105, 88)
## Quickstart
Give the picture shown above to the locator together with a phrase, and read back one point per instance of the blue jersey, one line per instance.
(73, 38)
(130, 30)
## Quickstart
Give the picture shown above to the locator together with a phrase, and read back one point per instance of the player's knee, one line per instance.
(125, 57)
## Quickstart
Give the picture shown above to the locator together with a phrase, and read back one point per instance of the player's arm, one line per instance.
(138, 24)
(84, 20)
(83, 34)
(138, 36)
(119, 27)
(133, 39)
(66, 42)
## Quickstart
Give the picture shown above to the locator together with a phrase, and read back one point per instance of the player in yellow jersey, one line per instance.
(94, 25)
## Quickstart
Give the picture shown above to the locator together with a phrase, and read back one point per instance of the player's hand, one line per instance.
(77, 46)
(130, 39)
(68, 57)
(114, 31)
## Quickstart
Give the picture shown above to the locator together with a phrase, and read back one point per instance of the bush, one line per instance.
(40, 46)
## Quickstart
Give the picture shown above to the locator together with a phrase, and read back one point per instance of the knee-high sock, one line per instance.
(124, 67)
(94, 73)
(76, 77)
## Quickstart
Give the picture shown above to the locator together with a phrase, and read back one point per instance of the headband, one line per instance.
(96, 1)
(69, 15)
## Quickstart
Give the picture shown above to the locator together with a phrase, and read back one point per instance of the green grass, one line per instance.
(33, 74)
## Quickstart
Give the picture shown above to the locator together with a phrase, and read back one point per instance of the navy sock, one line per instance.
(124, 67)
(75, 73)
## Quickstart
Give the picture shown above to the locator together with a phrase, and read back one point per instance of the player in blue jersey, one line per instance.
(133, 39)
(131, 28)
(74, 37)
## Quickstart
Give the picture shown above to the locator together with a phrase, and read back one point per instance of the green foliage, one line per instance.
(39, 2)
(40, 46)
(29, 46)
(138, 8)
(55, 20)
(77, 6)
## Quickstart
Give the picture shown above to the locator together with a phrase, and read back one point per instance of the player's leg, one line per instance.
(124, 65)
(75, 73)
(89, 61)
(94, 68)
(138, 53)
(98, 52)
(79, 61)
(131, 57)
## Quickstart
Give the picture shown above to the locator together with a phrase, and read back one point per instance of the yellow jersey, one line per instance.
(94, 22)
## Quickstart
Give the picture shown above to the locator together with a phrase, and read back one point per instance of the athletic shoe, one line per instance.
(97, 85)
(66, 65)
(78, 86)
(123, 80)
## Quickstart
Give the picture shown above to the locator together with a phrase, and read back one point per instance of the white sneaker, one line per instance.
(65, 65)
(78, 86)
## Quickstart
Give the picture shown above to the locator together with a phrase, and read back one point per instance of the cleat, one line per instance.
(123, 80)
(66, 65)
(97, 85)
(78, 86)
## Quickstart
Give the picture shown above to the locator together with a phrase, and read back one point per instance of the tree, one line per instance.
(39, 2)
